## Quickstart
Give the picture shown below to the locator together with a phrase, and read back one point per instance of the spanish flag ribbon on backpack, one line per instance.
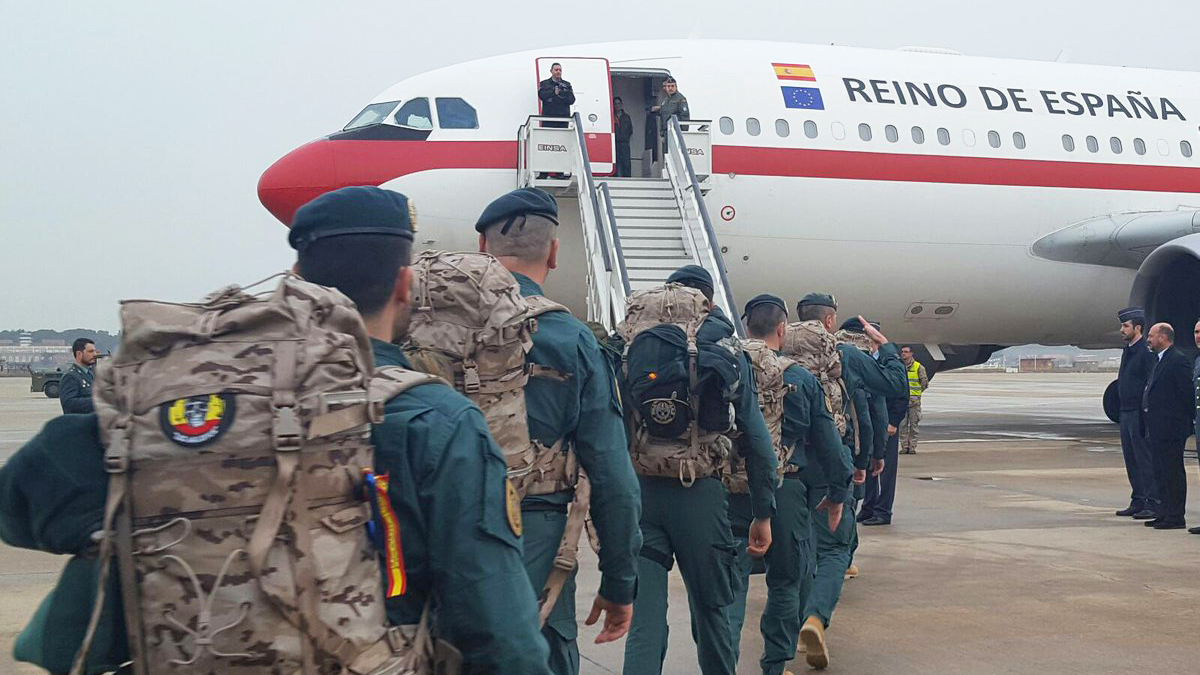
(385, 533)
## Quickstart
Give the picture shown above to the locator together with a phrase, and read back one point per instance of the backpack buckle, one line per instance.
(471, 379)
(285, 429)
(116, 455)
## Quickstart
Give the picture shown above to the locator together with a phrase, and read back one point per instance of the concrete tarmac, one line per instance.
(1004, 555)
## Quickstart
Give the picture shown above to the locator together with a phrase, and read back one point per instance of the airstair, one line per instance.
(636, 231)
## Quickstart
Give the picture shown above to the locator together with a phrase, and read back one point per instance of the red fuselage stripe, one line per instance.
(961, 170)
(375, 162)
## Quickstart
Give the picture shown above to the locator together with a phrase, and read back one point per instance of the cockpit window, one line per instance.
(455, 113)
(415, 114)
(372, 114)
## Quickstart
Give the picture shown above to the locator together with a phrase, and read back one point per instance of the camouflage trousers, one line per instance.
(910, 426)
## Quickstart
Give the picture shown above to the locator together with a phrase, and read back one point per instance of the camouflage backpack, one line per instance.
(469, 317)
(810, 345)
(769, 368)
(237, 439)
(854, 338)
(471, 325)
(663, 388)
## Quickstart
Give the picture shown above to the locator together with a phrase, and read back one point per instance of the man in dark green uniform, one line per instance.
(872, 412)
(581, 408)
(75, 388)
(808, 428)
(461, 543)
(672, 104)
(870, 432)
(691, 525)
(834, 547)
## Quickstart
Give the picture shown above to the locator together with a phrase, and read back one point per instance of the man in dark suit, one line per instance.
(556, 96)
(1169, 411)
(1196, 385)
(1136, 362)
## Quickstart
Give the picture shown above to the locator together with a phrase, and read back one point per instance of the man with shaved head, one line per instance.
(1169, 410)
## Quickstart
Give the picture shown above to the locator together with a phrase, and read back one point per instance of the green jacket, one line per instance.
(447, 488)
(586, 410)
(52, 499)
(676, 104)
(808, 424)
(75, 390)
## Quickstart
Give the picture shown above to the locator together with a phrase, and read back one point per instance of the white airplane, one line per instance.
(966, 203)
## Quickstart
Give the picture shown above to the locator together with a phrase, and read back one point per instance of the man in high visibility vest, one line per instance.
(918, 382)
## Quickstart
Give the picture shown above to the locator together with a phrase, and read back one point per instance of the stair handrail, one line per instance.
(598, 276)
(623, 290)
(687, 187)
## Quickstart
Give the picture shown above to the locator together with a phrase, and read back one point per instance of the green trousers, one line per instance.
(689, 525)
(832, 552)
(788, 563)
(540, 540)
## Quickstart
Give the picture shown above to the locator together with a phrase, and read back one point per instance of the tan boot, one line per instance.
(851, 572)
(812, 636)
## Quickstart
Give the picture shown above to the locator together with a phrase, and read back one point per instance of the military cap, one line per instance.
(817, 299)
(853, 324)
(1131, 313)
(764, 299)
(520, 202)
(353, 210)
(694, 276)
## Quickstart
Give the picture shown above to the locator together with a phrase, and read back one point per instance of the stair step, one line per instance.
(645, 249)
(639, 188)
(643, 202)
(623, 181)
(639, 222)
(662, 234)
(632, 264)
(623, 212)
(643, 284)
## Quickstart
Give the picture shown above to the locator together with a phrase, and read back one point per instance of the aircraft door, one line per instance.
(591, 83)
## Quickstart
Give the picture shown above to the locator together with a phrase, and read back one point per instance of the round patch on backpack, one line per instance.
(512, 506)
(199, 420)
(662, 411)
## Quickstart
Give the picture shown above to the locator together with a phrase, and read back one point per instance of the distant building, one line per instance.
(21, 357)
(7, 343)
(26, 340)
(1036, 364)
(50, 342)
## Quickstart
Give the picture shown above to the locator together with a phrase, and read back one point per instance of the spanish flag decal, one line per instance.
(397, 581)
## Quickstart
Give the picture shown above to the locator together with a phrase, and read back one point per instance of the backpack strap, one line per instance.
(540, 304)
(115, 533)
(386, 383)
(566, 560)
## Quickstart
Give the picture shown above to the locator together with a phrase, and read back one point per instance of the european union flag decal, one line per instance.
(803, 97)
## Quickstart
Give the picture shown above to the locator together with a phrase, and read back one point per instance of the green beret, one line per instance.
(353, 210)
(518, 203)
(691, 273)
(693, 276)
(764, 299)
(817, 299)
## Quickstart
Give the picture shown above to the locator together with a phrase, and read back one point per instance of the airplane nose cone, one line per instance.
(296, 178)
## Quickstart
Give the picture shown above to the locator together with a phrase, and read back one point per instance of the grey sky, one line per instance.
(132, 134)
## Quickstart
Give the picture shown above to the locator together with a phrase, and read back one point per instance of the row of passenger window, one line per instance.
(892, 134)
(1117, 147)
(865, 132)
